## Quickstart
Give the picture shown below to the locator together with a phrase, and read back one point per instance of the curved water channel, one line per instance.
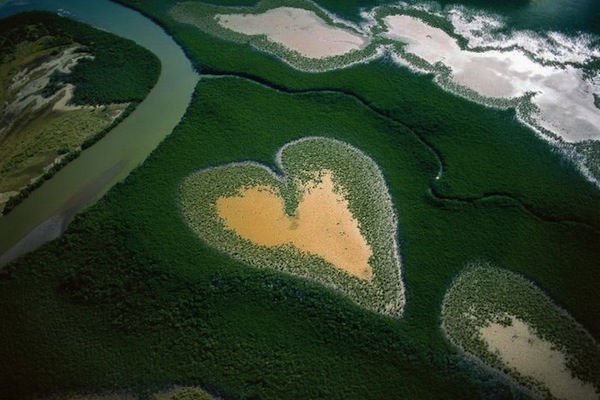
(47, 211)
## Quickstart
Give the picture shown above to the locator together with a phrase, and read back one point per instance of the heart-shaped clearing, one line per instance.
(329, 219)
(323, 224)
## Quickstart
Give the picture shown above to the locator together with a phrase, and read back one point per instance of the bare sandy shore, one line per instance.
(565, 100)
(520, 348)
(296, 29)
(63, 103)
(323, 224)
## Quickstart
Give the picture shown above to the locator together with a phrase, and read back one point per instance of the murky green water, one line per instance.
(97, 169)
(558, 15)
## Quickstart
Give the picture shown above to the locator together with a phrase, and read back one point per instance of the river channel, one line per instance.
(45, 214)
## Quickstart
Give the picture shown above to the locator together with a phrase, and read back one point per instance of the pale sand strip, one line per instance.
(520, 348)
(323, 224)
(296, 29)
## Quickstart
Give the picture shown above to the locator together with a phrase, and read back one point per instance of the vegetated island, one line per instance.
(301, 34)
(329, 218)
(487, 71)
(508, 323)
(63, 86)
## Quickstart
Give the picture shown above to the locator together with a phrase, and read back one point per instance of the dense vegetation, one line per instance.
(130, 298)
(300, 162)
(474, 144)
(120, 72)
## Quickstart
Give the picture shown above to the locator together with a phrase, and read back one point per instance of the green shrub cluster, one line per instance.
(110, 77)
(66, 158)
(485, 137)
(131, 298)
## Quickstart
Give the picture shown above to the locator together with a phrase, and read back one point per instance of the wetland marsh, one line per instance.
(164, 280)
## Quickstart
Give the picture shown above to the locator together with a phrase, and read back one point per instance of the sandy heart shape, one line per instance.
(322, 225)
(328, 218)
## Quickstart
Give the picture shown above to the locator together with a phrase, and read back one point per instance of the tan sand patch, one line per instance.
(297, 29)
(323, 224)
(520, 348)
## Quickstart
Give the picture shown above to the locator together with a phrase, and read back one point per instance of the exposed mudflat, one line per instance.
(519, 347)
(323, 224)
(296, 29)
(39, 125)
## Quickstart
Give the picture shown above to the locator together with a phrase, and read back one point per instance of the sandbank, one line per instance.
(296, 29)
(323, 224)
(520, 348)
(46, 231)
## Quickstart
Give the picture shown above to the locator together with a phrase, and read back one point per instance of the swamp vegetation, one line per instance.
(130, 298)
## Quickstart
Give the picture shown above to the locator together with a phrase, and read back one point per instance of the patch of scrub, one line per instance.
(552, 79)
(116, 396)
(328, 218)
(303, 35)
(175, 393)
(511, 325)
(322, 225)
(562, 100)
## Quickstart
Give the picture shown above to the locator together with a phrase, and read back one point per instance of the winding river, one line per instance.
(45, 214)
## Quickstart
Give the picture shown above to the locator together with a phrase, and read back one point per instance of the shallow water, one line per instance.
(562, 97)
